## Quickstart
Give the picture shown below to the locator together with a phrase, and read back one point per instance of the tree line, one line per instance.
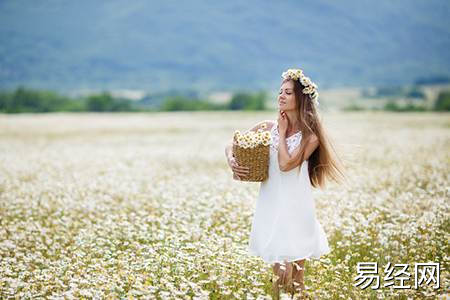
(442, 103)
(25, 100)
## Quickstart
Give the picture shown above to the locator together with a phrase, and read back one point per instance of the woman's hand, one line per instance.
(282, 122)
(238, 171)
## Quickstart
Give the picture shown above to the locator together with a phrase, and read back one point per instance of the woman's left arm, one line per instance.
(288, 161)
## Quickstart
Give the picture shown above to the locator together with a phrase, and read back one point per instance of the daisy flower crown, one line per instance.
(310, 87)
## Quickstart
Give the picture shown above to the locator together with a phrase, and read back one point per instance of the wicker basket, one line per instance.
(257, 159)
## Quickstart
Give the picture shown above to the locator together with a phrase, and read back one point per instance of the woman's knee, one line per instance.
(299, 265)
(276, 267)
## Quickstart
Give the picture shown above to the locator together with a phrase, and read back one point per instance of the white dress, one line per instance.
(284, 226)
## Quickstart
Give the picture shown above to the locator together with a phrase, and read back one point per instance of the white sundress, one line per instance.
(284, 226)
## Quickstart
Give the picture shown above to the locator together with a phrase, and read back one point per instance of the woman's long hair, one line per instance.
(323, 162)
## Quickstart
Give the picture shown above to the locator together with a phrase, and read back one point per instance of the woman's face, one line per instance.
(286, 97)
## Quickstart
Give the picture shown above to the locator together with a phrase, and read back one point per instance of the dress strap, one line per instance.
(274, 126)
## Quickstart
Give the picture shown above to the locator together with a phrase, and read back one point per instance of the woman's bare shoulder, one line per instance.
(269, 124)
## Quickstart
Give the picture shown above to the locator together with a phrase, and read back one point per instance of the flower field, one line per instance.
(108, 206)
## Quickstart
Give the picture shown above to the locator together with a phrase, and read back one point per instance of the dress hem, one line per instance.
(309, 257)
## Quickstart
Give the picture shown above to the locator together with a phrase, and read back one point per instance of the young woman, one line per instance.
(285, 230)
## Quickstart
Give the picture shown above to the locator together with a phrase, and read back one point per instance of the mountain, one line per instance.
(223, 45)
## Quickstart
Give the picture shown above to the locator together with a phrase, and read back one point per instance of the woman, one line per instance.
(285, 230)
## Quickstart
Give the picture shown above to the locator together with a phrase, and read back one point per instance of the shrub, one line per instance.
(247, 101)
(443, 101)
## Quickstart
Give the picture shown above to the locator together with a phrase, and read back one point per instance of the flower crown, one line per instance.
(310, 87)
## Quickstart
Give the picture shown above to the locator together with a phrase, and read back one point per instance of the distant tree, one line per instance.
(394, 106)
(248, 101)
(5, 102)
(40, 101)
(180, 103)
(443, 101)
(101, 102)
(413, 107)
(239, 101)
(121, 105)
(391, 106)
(173, 104)
(353, 107)
(24, 100)
(105, 102)
(28, 100)
(259, 101)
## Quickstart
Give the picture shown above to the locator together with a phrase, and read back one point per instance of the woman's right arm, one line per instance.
(238, 171)
(229, 152)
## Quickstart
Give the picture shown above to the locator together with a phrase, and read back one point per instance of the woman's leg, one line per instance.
(284, 278)
(288, 279)
(276, 281)
(299, 275)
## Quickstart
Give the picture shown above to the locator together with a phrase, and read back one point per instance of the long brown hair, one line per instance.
(323, 162)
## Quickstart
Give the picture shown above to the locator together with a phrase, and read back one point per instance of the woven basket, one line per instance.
(256, 159)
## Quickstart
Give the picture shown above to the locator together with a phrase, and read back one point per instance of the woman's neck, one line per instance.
(294, 123)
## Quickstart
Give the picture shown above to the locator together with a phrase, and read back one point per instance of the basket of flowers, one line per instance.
(252, 150)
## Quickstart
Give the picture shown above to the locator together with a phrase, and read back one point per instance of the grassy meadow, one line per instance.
(143, 205)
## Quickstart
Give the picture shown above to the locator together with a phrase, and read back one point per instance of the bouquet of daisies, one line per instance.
(252, 150)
